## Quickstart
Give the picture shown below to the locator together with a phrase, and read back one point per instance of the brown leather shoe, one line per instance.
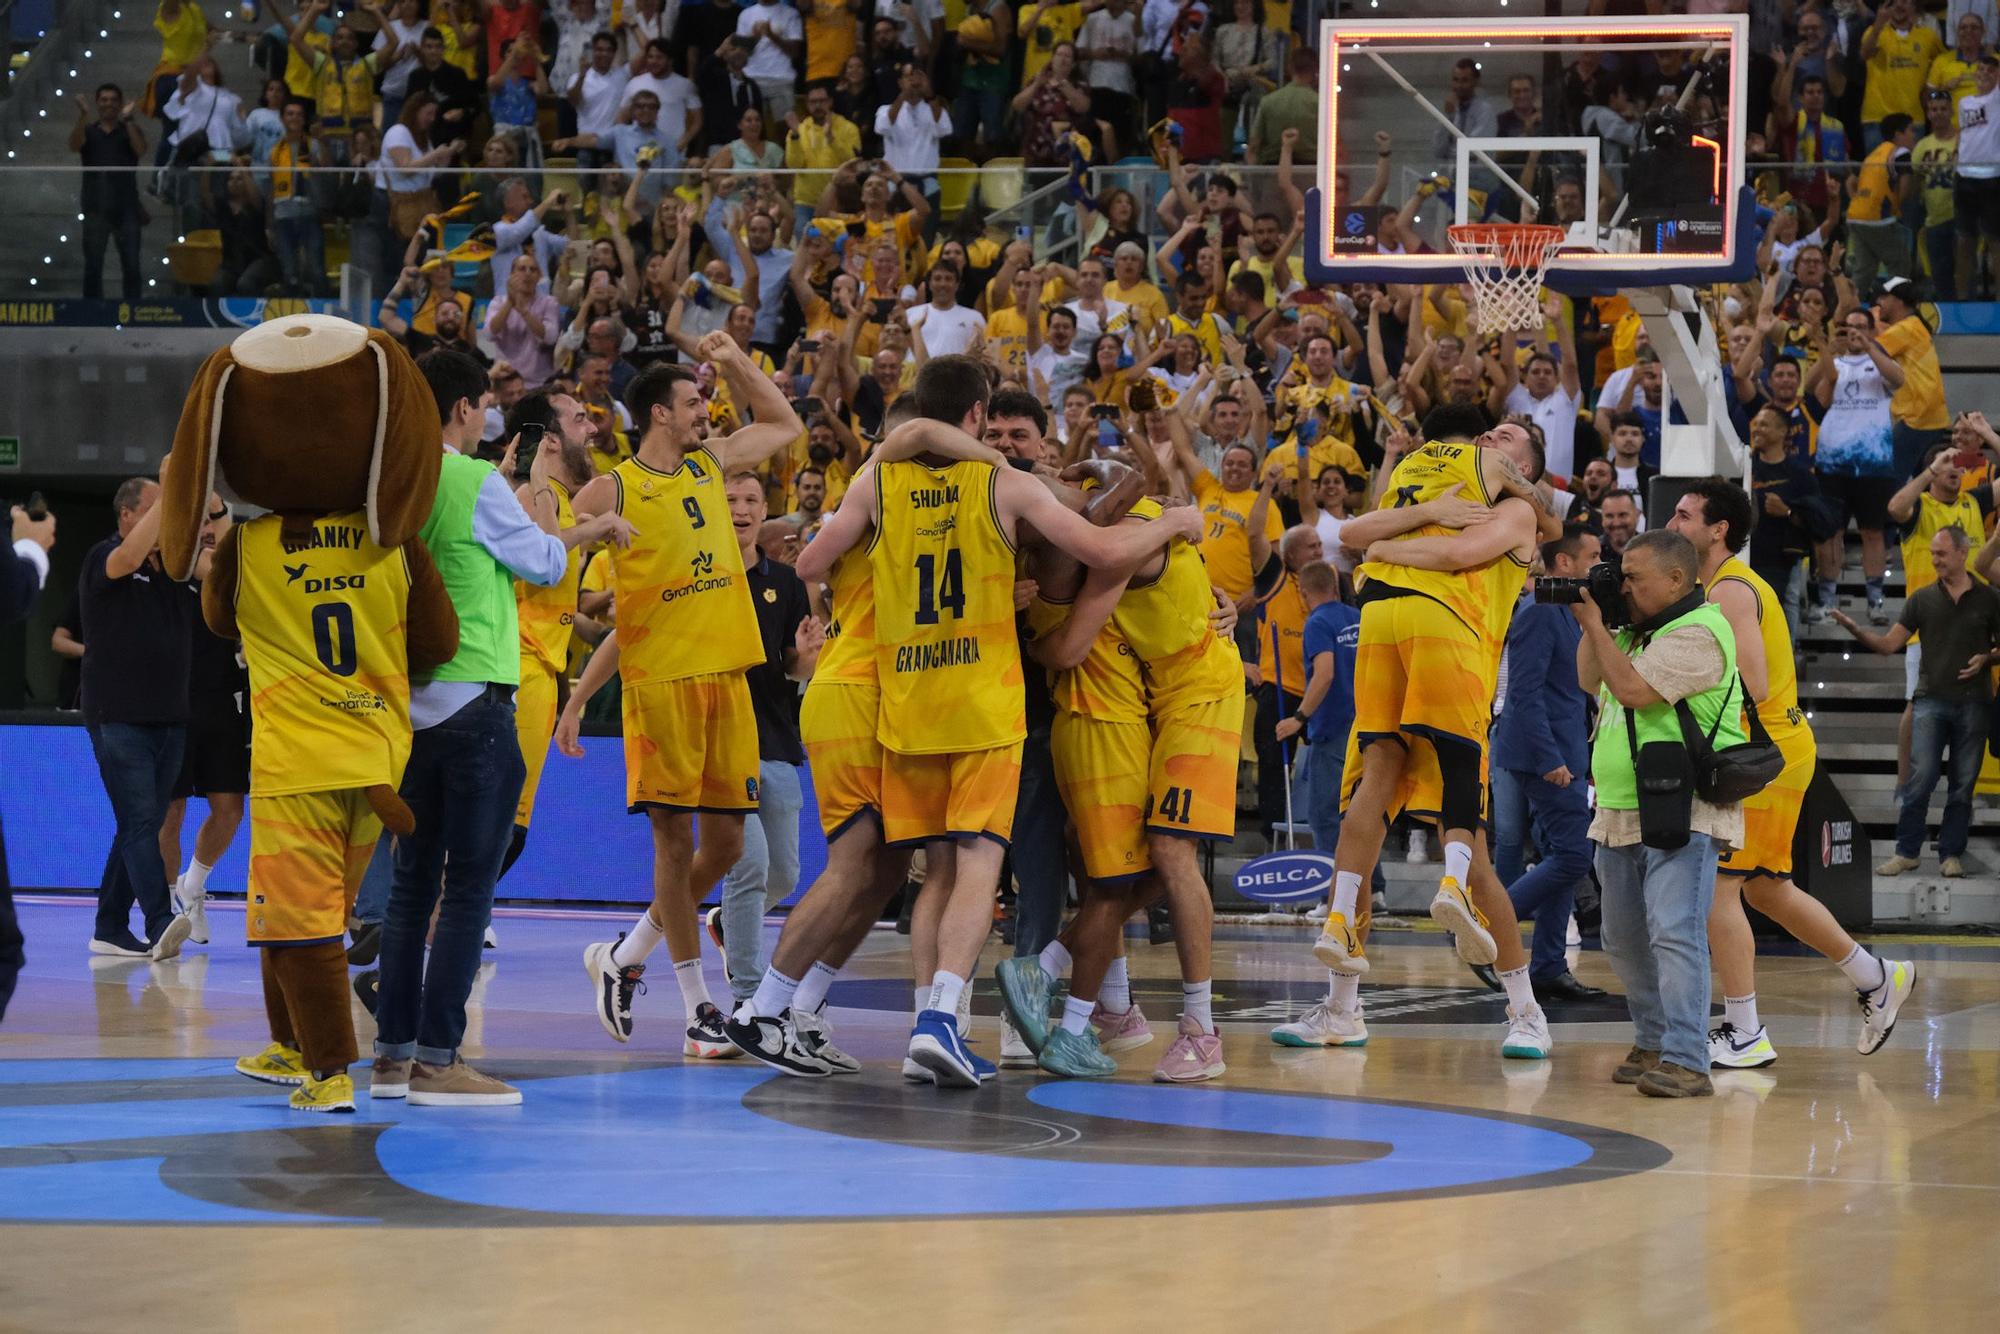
(458, 1085)
(1668, 1080)
(391, 1078)
(1637, 1062)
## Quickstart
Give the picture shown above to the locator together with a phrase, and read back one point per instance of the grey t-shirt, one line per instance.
(1953, 632)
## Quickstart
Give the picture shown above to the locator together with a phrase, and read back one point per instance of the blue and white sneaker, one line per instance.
(935, 1045)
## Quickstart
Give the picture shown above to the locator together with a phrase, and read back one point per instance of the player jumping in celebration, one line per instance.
(1437, 592)
(686, 630)
(952, 713)
(1716, 517)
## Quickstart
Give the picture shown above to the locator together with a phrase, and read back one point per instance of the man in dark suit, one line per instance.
(24, 568)
(726, 92)
(1541, 768)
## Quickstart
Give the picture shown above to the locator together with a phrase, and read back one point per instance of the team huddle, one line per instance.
(956, 565)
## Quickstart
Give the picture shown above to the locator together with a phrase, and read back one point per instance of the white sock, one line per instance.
(194, 880)
(1740, 1013)
(774, 994)
(1076, 1015)
(811, 995)
(1195, 1003)
(923, 997)
(1055, 959)
(694, 987)
(1458, 862)
(1116, 993)
(1346, 889)
(946, 988)
(641, 940)
(1520, 994)
(1864, 970)
(1345, 992)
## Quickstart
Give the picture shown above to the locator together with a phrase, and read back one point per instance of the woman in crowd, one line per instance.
(1053, 98)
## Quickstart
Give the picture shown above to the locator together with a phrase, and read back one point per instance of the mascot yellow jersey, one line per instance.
(947, 654)
(683, 601)
(323, 632)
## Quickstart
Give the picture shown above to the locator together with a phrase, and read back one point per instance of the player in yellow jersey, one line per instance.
(548, 617)
(1159, 609)
(949, 669)
(781, 1024)
(1716, 517)
(686, 630)
(1437, 593)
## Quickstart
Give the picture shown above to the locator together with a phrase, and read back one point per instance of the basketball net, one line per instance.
(1505, 262)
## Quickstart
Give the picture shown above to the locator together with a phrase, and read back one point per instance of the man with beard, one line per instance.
(448, 318)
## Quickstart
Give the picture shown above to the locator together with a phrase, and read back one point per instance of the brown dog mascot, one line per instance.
(330, 427)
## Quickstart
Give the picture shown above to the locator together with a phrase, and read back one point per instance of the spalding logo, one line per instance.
(1286, 877)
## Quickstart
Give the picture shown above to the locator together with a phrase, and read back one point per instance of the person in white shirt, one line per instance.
(912, 127)
(1976, 195)
(1108, 46)
(780, 40)
(1549, 393)
(201, 105)
(577, 23)
(680, 119)
(1331, 496)
(596, 92)
(644, 22)
(1096, 313)
(396, 48)
(945, 326)
(921, 22)
(1057, 362)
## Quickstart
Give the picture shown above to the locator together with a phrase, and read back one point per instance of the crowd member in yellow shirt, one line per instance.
(822, 141)
(183, 30)
(832, 35)
(1898, 51)
(1921, 420)
(343, 79)
(875, 222)
(1007, 327)
(1876, 239)
(1044, 25)
(1934, 158)
(1951, 72)
(1129, 286)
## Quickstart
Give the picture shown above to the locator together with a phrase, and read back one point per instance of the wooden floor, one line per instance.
(1423, 1183)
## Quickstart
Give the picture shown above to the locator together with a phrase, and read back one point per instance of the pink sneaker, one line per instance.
(1120, 1030)
(1194, 1056)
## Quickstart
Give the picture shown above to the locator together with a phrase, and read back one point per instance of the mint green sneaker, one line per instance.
(1075, 1055)
(1025, 988)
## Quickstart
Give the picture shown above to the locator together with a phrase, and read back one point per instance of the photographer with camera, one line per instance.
(1657, 841)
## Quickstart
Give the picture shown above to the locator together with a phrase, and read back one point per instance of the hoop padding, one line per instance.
(1505, 264)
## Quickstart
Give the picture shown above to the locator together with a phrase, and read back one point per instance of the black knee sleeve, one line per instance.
(1458, 767)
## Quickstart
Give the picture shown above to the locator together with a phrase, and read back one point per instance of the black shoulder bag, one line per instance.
(1734, 773)
(1664, 778)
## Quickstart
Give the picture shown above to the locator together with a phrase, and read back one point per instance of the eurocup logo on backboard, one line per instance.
(1286, 877)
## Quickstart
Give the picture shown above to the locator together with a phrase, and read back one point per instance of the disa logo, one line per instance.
(336, 583)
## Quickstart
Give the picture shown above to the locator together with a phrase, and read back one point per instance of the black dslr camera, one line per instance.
(1605, 583)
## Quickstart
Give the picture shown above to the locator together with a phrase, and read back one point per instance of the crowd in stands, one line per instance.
(773, 171)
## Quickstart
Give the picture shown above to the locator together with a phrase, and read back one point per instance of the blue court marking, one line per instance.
(83, 1070)
(125, 1190)
(732, 1162)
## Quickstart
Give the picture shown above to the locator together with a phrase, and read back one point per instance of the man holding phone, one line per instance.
(1933, 500)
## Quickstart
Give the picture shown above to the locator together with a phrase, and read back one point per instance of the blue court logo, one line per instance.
(190, 1142)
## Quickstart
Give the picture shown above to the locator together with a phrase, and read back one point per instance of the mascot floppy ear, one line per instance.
(191, 471)
(409, 447)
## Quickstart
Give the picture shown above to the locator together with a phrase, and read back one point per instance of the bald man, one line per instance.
(1281, 668)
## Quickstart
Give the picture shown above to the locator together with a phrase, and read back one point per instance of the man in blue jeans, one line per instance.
(1326, 716)
(1959, 620)
(138, 626)
(1541, 768)
(768, 870)
(465, 771)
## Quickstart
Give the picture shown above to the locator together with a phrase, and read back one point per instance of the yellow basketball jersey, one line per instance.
(1932, 517)
(848, 656)
(1425, 475)
(1107, 685)
(1284, 613)
(1503, 581)
(323, 630)
(946, 654)
(548, 615)
(683, 602)
(1780, 712)
(1166, 623)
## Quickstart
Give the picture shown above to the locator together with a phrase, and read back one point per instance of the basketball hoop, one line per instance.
(1505, 262)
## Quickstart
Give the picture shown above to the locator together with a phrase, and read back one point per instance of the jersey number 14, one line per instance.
(935, 591)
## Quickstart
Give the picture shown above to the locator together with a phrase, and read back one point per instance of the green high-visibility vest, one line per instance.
(481, 588)
(1611, 759)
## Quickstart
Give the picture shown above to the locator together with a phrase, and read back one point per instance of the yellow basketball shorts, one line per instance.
(1101, 770)
(837, 723)
(534, 724)
(691, 745)
(308, 851)
(958, 794)
(1420, 670)
(1771, 818)
(1191, 782)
